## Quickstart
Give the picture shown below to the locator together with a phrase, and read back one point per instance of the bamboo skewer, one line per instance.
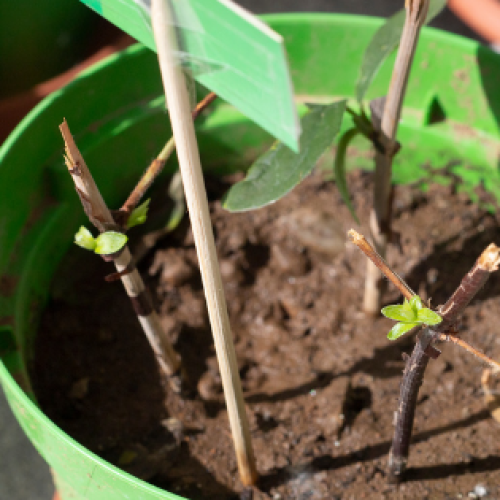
(100, 216)
(190, 167)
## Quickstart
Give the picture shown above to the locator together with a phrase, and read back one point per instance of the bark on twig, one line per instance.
(192, 176)
(469, 348)
(159, 162)
(100, 216)
(360, 241)
(380, 217)
(413, 374)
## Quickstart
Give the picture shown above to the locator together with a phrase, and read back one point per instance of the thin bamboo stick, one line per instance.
(190, 167)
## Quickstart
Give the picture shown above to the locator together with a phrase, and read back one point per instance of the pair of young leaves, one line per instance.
(409, 314)
(111, 242)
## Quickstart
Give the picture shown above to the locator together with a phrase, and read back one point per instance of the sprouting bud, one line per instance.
(110, 242)
(84, 239)
(410, 314)
(138, 215)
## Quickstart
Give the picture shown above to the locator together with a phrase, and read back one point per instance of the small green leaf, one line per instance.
(340, 170)
(279, 169)
(110, 242)
(429, 317)
(361, 121)
(384, 41)
(400, 313)
(138, 215)
(400, 329)
(84, 239)
(416, 303)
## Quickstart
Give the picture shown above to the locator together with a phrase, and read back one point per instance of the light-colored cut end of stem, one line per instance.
(490, 258)
(355, 237)
(397, 467)
(90, 196)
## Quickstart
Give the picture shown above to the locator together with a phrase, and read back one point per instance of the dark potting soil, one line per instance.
(321, 380)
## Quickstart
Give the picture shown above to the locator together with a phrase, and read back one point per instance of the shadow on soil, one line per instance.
(451, 265)
(372, 452)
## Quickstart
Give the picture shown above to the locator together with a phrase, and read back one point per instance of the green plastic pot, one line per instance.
(450, 120)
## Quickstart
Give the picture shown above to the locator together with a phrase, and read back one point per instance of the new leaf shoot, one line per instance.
(409, 314)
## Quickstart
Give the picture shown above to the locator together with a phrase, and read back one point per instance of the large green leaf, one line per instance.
(279, 169)
(384, 41)
(340, 170)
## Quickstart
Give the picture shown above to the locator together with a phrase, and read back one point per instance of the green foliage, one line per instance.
(428, 317)
(84, 239)
(138, 215)
(110, 242)
(279, 170)
(400, 329)
(409, 314)
(106, 243)
(385, 40)
(340, 170)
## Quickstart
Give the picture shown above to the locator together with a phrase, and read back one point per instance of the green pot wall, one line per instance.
(115, 110)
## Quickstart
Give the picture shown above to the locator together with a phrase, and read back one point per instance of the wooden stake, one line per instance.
(190, 167)
(100, 216)
(380, 217)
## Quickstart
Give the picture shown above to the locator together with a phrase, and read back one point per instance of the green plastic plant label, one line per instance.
(228, 50)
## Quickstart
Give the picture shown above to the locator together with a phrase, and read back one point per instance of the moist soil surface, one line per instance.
(320, 379)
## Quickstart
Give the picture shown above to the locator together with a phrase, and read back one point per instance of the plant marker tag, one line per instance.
(228, 50)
